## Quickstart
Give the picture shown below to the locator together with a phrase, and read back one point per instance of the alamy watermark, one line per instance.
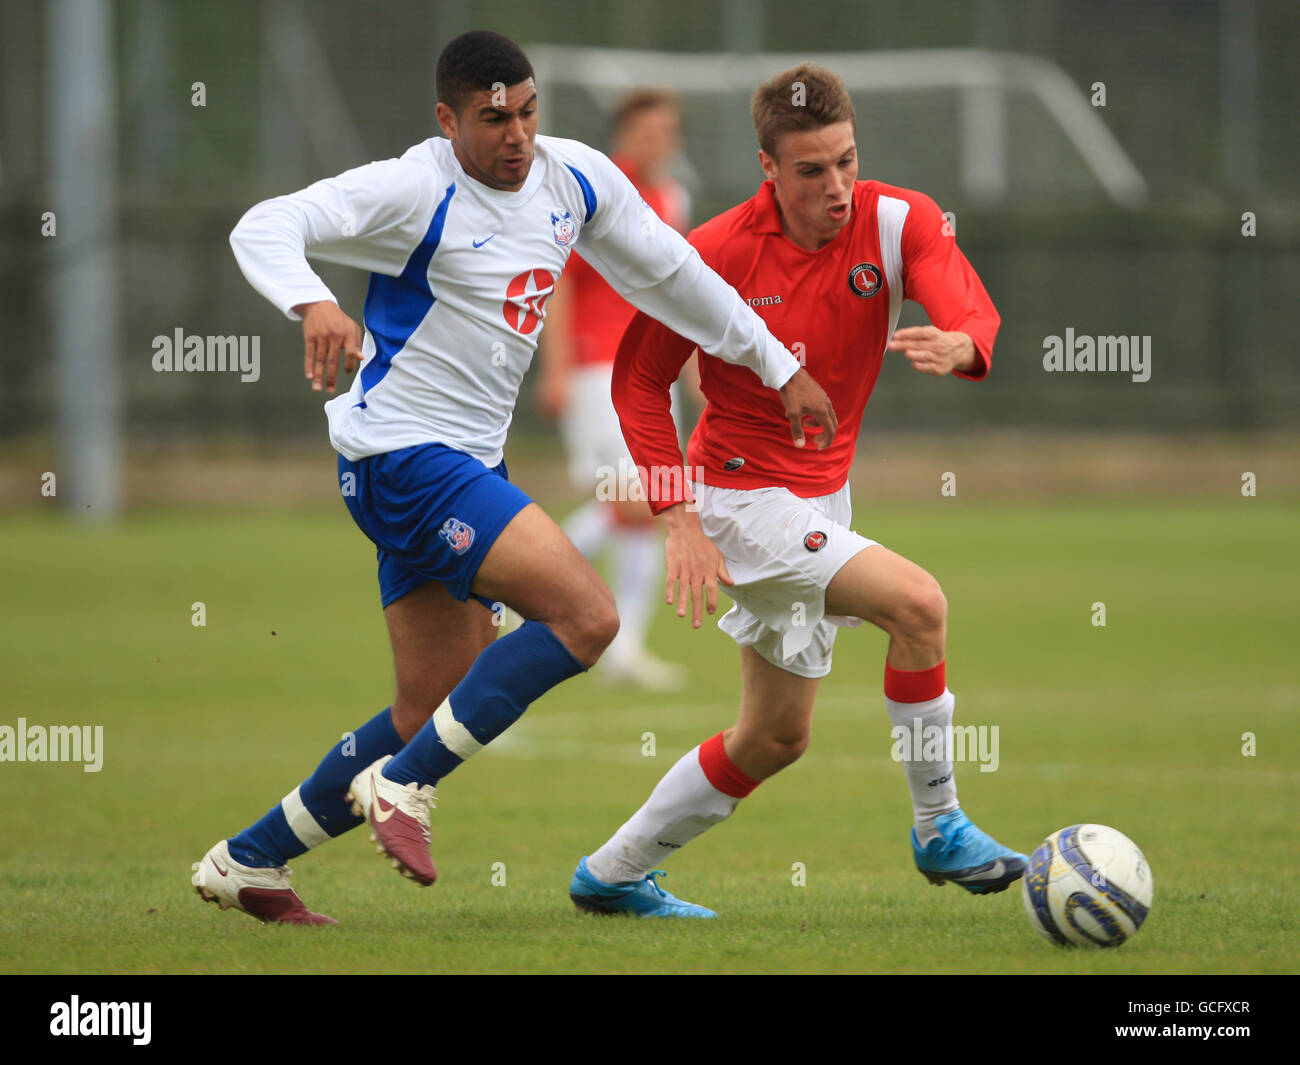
(77, 1018)
(53, 743)
(1101, 354)
(208, 354)
(640, 484)
(946, 743)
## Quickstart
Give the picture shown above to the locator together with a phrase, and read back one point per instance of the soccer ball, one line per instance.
(1088, 885)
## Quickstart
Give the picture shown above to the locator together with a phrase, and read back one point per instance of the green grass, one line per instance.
(1138, 724)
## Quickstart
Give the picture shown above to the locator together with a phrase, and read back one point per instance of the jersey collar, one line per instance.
(503, 197)
(767, 216)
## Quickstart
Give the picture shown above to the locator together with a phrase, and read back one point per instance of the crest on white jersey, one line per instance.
(565, 230)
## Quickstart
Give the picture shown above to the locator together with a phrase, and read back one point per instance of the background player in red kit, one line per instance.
(826, 260)
(585, 320)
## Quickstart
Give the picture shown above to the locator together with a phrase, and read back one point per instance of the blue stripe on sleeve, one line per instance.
(588, 193)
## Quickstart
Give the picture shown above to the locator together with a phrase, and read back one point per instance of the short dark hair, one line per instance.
(475, 61)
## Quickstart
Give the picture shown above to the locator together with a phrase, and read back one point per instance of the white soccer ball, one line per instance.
(1088, 885)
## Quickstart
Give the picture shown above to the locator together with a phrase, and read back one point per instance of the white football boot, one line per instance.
(399, 819)
(261, 893)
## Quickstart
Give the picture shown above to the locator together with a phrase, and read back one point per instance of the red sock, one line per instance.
(722, 772)
(914, 685)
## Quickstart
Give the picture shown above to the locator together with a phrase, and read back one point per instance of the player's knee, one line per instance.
(594, 629)
(923, 613)
(784, 751)
(604, 624)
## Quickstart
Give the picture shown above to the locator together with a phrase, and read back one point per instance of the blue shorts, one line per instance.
(432, 513)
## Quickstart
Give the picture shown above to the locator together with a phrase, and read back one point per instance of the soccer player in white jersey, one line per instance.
(464, 238)
(827, 260)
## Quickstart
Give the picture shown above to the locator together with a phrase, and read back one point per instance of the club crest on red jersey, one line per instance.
(864, 279)
(565, 230)
(458, 535)
(815, 541)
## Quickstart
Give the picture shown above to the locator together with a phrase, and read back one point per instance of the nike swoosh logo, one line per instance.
(376, 803)
(989, 874)
(480, 243)
(218, 868)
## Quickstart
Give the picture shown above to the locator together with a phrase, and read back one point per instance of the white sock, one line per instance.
(683, 805)
(588, 527)
(637, 567)
(932, 782)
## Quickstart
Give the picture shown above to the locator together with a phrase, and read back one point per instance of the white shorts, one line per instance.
(593, 437)
(782, 552)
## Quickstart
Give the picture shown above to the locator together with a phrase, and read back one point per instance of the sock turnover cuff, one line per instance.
(722, 772)
(915, 685)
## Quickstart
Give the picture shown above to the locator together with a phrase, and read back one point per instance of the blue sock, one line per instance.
(511, 672)
(317, 809)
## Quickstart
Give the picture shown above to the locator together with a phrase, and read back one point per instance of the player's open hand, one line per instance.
(805, 399)
(694, 565)
(327, 333)
(931, 350)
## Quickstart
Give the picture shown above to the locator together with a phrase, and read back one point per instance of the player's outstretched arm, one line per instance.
(694, 565)
(328, 333)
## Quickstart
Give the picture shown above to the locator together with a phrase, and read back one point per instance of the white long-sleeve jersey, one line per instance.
(460, 275)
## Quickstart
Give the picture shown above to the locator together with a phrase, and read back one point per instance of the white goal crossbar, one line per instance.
(982, 78)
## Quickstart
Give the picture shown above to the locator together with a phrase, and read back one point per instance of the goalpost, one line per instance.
(980, 80)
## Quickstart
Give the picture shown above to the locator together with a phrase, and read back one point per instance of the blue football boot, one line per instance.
(966, 856)
(645, 898)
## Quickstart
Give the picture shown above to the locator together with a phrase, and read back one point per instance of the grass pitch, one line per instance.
(1139, 724)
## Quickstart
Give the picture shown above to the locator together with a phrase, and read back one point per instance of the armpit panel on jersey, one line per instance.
(395, 306)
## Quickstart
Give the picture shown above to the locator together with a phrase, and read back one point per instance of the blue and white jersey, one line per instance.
(460, 276)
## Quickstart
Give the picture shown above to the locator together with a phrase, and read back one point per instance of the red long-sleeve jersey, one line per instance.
(834, 308)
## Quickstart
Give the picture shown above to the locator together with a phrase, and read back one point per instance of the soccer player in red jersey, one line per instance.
(585, 320)
(826, 260)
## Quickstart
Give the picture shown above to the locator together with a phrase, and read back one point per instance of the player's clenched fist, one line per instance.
(328, 332)
(694, 565)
